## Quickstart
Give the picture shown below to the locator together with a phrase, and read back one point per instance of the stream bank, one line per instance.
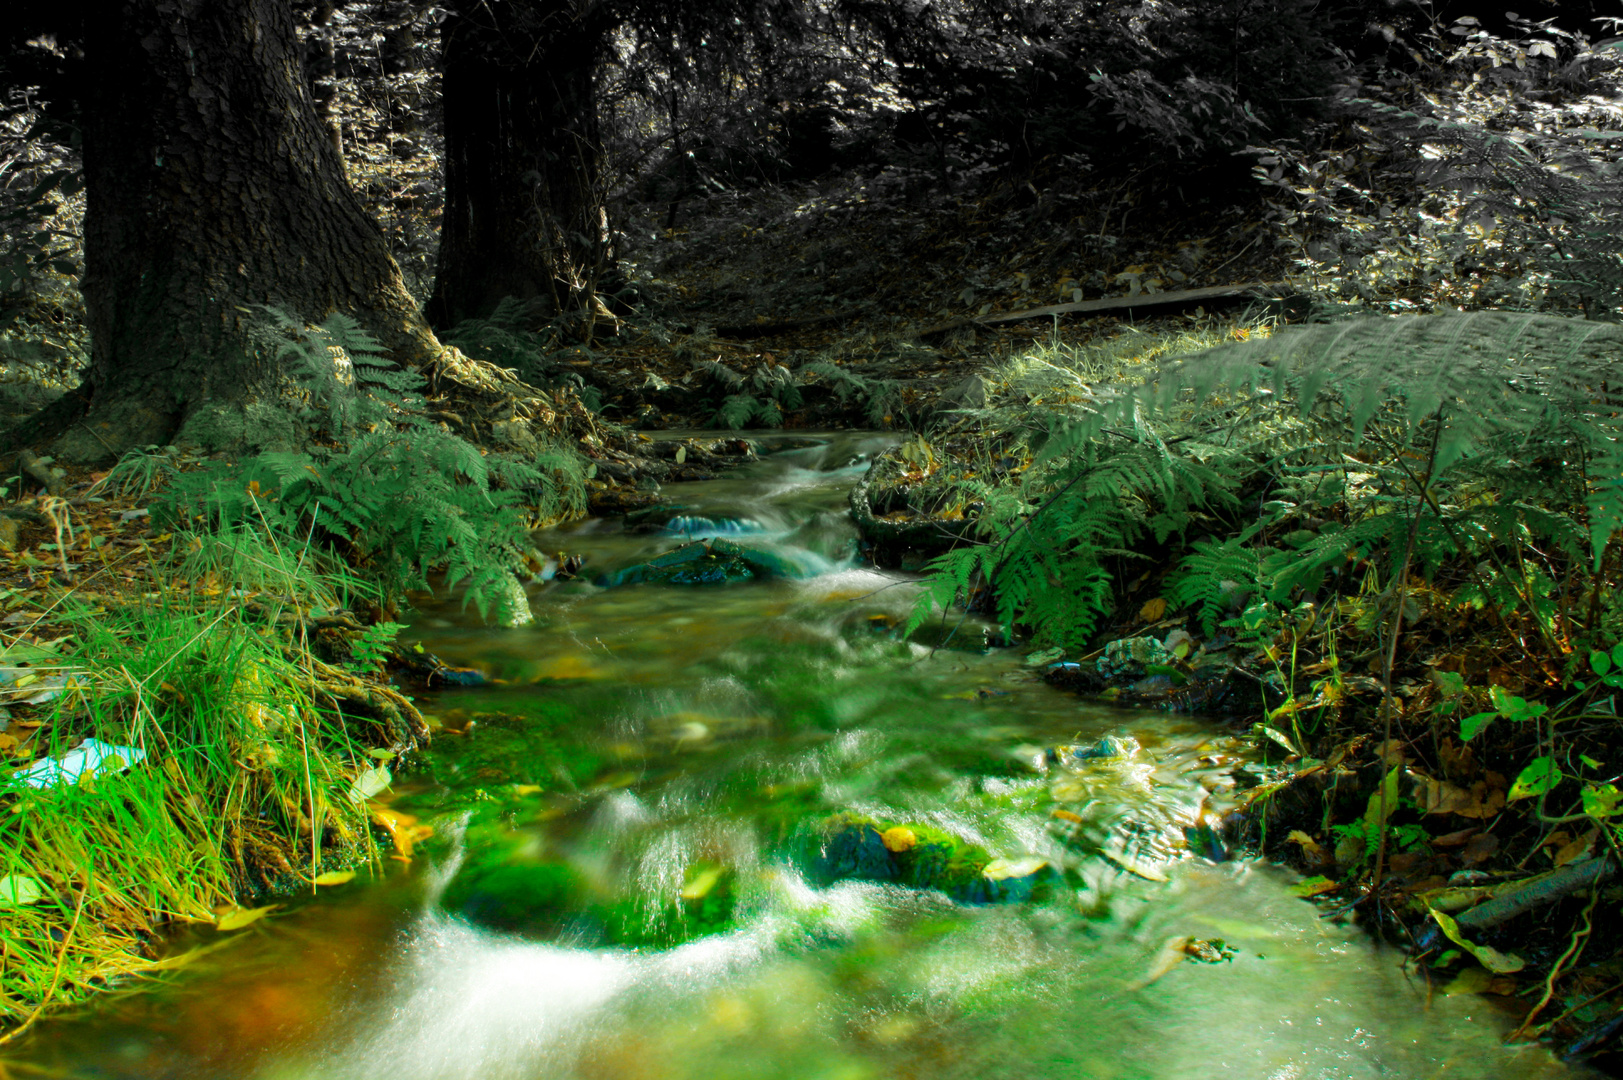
(646, 845)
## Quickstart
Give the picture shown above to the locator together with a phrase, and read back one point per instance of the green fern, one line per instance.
(1216, 576)
(1458, 430)
(405, 499)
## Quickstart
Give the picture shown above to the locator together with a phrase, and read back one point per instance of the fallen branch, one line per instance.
(1113, 303)
(1525, 896)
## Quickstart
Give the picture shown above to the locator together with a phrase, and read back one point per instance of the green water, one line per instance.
(624, 879)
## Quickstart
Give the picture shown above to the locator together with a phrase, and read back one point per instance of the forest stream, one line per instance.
(745, 830)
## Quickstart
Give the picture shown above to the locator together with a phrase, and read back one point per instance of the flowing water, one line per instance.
(657, 852)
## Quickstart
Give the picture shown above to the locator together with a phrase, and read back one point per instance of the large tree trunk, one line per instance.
(524, 211)
(211, 186)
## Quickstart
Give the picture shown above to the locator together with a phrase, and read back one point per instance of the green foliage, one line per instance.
(1445, 187)
(401, 497)
(880, 398)
(1484, 437)
(372, 646)
(32, 244)
(235, 756)
(759, 398)
(141, 471)
(1215, 576)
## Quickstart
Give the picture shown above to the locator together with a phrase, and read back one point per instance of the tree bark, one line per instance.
(211, 187)
(524, 207)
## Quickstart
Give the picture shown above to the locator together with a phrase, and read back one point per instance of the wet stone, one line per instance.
(704, 562)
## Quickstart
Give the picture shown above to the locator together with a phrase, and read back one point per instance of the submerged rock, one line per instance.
(1109, 748)
(526, 897)
(851, 847)
(705, 562)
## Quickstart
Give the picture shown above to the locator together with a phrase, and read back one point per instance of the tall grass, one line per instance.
(245, 786)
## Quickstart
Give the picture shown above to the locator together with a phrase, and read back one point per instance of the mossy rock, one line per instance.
(853, 847)
(523, 897)
(705, 562)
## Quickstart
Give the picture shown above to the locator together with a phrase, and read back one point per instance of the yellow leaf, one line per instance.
(335, 877)
(900, 838)
(237, 918)
(1153, 610)
(1309, 845)
(702, 883)
(1008, 869)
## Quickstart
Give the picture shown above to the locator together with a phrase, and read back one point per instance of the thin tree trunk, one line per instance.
(211, 187)
(524, 211)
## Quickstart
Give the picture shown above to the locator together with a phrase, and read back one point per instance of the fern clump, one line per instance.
(1480, 452)
(402, 497)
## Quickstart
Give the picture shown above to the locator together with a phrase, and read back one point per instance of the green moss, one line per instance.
(528, 897)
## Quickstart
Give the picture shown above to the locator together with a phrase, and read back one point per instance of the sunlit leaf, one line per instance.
(1539, 777)
(899, 838)
(1602, 801)
(335, 877)
(369, 783)
(18, 889)
(1378, 810)
(1010, 869)
(1495, 961)
(1314, 886)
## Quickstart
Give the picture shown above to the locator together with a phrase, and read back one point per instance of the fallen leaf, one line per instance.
(18, 889)
(237, 918)
(1153, 610)
(1479, 849)
(1310, 846)
(335, 877)
(1172, 953)
(1314, 886)
(402, 829)
(1495, 961)
(1454, 839)
(1133, 866)
(1473, 980)
(899, 838)
(370, 782)
(1575, 848)
(1009, 869)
